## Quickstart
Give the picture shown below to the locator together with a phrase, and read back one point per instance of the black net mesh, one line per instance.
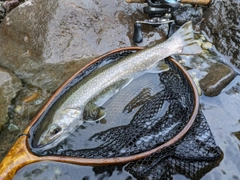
(194, 156)
(160, 118)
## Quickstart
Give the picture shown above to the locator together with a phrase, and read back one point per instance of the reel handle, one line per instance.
(198, 2)
(137, 34)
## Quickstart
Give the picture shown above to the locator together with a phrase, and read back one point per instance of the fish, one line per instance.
(99, 86)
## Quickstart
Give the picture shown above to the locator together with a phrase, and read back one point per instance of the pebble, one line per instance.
(12, 127)
(206, 45)
(18, 109)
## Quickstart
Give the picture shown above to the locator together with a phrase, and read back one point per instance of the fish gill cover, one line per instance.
(159, 118)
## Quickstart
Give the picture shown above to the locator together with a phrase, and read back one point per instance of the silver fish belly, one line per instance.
(104, 82)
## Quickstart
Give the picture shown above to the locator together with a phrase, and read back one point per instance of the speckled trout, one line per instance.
(94, 90)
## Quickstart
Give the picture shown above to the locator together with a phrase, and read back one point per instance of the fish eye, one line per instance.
(55, 130)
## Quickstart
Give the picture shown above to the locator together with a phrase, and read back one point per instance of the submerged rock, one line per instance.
(218, 77)
(9, 86)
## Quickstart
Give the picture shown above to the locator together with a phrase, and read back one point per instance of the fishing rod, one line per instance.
(160, 12)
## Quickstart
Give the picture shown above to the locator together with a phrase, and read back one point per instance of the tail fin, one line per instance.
(185, 32)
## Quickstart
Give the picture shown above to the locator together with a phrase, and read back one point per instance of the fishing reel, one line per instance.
(160, 12)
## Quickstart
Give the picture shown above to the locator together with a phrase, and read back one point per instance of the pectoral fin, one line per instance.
(72, 112)
(93, 110)
(93, 113)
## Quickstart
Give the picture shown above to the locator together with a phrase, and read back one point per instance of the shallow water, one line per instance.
(54, 171)
(222, 113)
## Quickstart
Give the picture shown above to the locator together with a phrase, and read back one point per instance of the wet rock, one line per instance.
(9, 86)
(45, 42)
(6, 7)
(28, 103)
(9, 5)
(187, 13)
(2, 12)
(218, 77)
(23, 108)
(222, 24)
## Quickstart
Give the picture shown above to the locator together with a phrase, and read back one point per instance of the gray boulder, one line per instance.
(44, 42)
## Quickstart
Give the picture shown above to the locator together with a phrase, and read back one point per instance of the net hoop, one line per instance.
(22, 154)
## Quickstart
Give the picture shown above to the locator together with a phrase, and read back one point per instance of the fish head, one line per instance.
(64, 123)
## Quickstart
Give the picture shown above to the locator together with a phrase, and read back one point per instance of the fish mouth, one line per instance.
(40, 145)
(44, 146)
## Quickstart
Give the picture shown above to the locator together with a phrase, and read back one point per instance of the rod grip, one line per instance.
(198, 2)
(135, 1)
